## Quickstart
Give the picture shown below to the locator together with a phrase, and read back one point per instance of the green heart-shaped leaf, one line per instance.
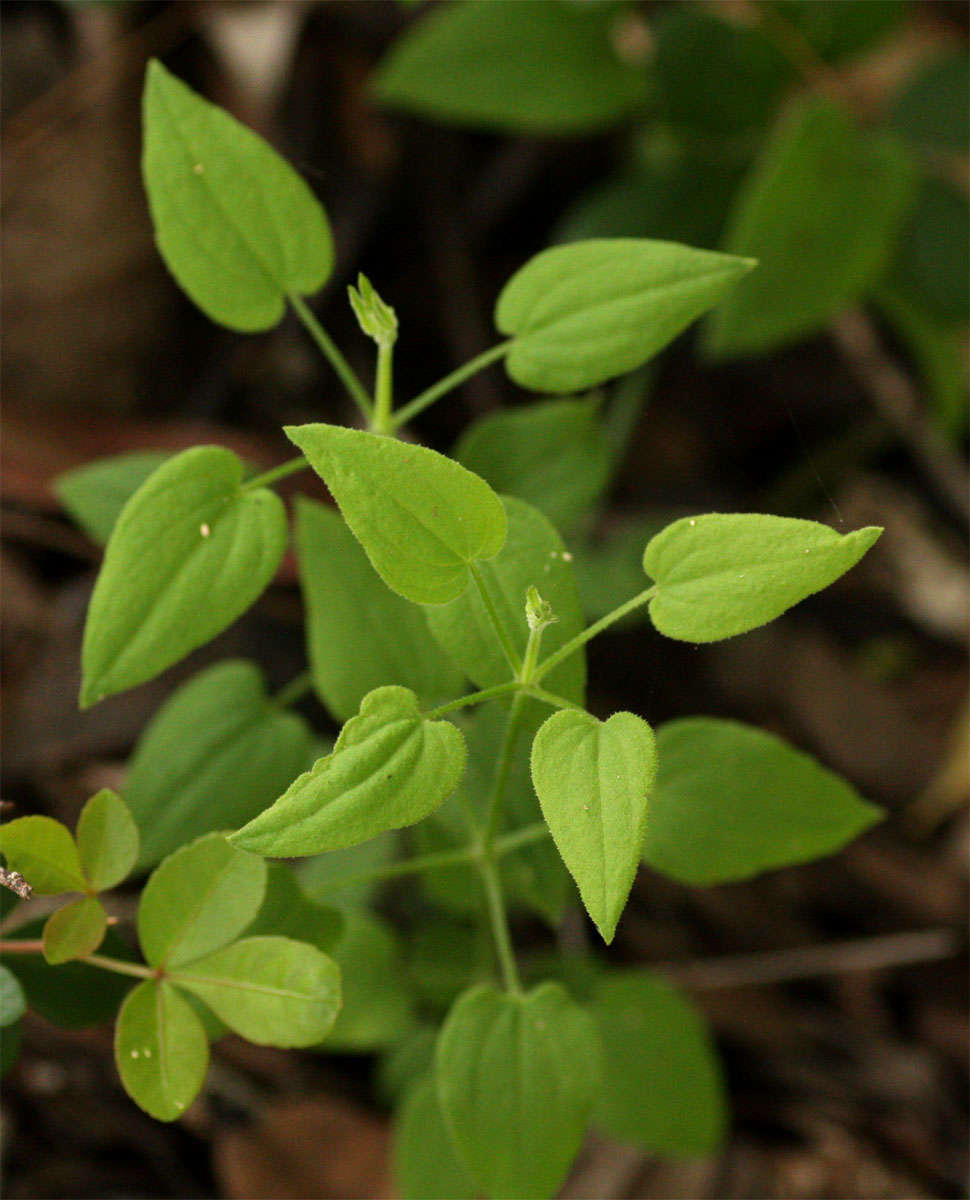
(75, 930)
(161, 1050)
(44, 852)
(107, 840)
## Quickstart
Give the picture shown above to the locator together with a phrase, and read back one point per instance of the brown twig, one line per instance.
(16, 883)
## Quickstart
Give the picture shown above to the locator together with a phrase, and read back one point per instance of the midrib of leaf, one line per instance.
(416, 516)
(53, 865)
(162, 1044)
(259, 988)
(192, 915)
(192, 158)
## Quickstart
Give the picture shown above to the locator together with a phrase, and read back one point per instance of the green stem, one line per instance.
(382, 421)
(336, 359)
(499, 921)
(290, 467)
(581, 639)
(510, 842)
(120, 967)
(502, 772)
(500, 632)
(295, 690)
(443, 386)
(492, 693)
(550, 698)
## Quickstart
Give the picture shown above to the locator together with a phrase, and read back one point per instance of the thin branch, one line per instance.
(16, 883)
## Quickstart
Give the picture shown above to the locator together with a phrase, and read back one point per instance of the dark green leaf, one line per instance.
(731, 801)
(13, 1002)
(426, 1166)
(216, 754)
(933, 259)
(835, 29)
(288, 912)
(95, 494)
(933, 109)
(378, 1006)
(190, 553)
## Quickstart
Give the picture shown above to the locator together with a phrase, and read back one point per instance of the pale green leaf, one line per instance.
(426, 1166)
(190, 553)
(478, 63)
(421, 518)
(198, 899)
(13, 1003)
(517, 1076)
(553, 454)
(360, 634)
(533, 556)
(593, 779)
(287, 911)
(75, 930)
(161, 1050)
(236, 225)
(272, 990)
(390, 768)
(43, 851)
(378, 1006)
(820, 211)
(722, 574)
(665, 1092)
(212, 757)
(95, 493)
(582, 313)
(107, 840)
(732, 801)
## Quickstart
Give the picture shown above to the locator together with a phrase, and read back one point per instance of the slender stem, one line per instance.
(500, 631)
(492, 693)
(500, 926)
(336, 359)
(502, 771)
(406, 866)
(120, 967)
(581, 639)
(551, 698)
(382, 421)
(530, 659)
(290, 467)
(295, 690)
(443, 386)
(525, 836)
(33, 946)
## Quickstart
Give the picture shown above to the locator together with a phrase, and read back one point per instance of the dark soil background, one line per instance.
(845, 1036)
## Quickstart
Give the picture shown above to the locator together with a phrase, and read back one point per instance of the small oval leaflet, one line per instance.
(390, 768)
(722, 574)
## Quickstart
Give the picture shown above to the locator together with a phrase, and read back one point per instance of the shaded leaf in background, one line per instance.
(933, 258)
(95, 493)
(75, 930)
(190, 553)
(836, 30)
(444, 957)
(665, 1092)
(477, 63)
(426, 1166)
(609, 565)
(107, 840)
(716, 77)
(44, 852)
(198, 899)
(553, 455)
(13, 1002)
(593, 780)
(160, 1049)
(216, 754)
(319, 873)
(422, 518)
(287, 911)
(390, 768)
(360, 634)
(933, 109)
(583, 313)
(517, 1076)
(236, 225)
(271, 990)
(722, 574)
(406, 1064)
(378, 1007)
(731, 801)
(820, 210)
(533, 556)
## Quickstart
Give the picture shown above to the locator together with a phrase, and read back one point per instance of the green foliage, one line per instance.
(426, 1166)
(665, 1092)
(584, 313)
(237, 227)
(161, 1050)
(388, 489)
(391, 767)
(725, 573)
(932, 110)
(75, 930)
(476, 63)
(553, 454)
(377, 319)
(360, 634)
(43, 851)
(216, 753)
(95, 493)
(836, 30)
(13, 1002)
(731, 801)
(933, 258)
(472, 631)
(826, 197)
(593, 780)
(107, 840)
(191, 551)
(378, 1005)
(517, 1076)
